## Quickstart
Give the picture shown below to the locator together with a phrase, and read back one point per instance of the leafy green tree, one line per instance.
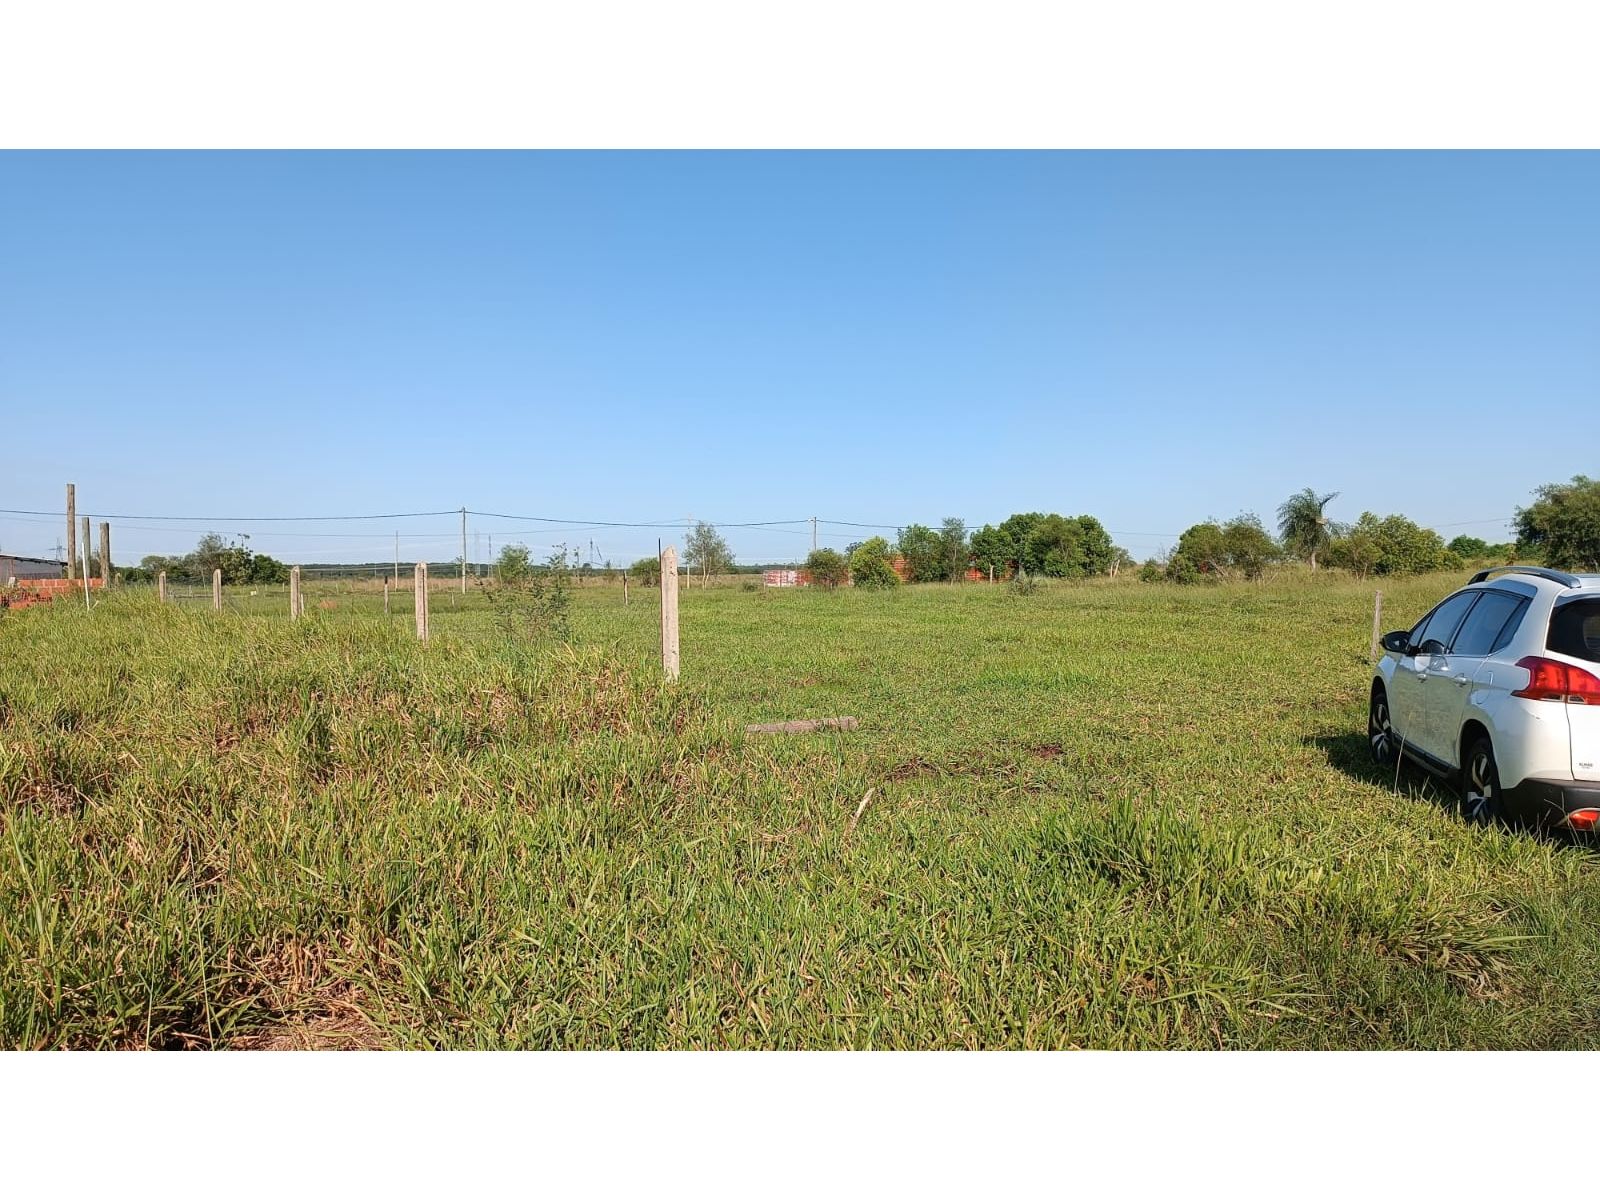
(993, 550)
(1054, 548)
(1305, 530)
(924, 553)
(954, 554)
(1563, 524)
(1151, 571)
(706, 552)
(1096, 553)
(1251, 549)
(1241, 546)
(1201, 550)
(1356, 550)
(647, 571)
(514, 565)
(1392, 545)
(1469, 547)
(206, 557)
(1018, 527)
(827, 568)
(262, 568)
(870, 565)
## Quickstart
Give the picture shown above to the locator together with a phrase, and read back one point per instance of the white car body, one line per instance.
(1454, 678)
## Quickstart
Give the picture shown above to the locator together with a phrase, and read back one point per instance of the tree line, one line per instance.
(238, 563)
(1561, 528)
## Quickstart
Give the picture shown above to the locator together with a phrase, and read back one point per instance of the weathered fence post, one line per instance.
(624, 589)
(1377, 620)
(86, 552)
(216, 588)
(386, 597)
(72, 531)
(422, 600)
(161, 587)
(105, 554)
(295, 607)
(669, 612)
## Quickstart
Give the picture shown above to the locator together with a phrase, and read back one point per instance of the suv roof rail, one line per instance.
(1561, 577)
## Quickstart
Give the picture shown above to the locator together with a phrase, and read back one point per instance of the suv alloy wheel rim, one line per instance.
(1379, 731)
(1480, 785)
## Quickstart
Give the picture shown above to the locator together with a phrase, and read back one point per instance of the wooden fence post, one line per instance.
(216, 588)
(295, 607)
(624, 589)
(72, 531)
(1377, 620)
(105, 554)
(386, 596)
(161, 587)
(422, 600)
(669, 612)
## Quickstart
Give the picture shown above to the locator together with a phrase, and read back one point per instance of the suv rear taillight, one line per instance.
(1558, 681)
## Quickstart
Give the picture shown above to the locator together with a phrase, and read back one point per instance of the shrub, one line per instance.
(870, 566)
(646, 572)
(827, 568)
(1022, 584)
(1392, 545)
(535, 603)
(1182, 569)
(1240, 547)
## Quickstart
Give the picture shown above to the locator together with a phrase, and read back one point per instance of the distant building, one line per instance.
(13, 566)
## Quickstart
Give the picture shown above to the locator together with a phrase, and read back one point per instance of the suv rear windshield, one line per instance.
(1575, 629)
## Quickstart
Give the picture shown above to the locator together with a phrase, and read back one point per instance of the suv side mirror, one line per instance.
(1398, 642)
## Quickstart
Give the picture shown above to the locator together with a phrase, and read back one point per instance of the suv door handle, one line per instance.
(1461, 681)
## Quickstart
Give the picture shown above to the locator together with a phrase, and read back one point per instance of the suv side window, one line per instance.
(1439, 629)
(1482, 629)
(1575, 629)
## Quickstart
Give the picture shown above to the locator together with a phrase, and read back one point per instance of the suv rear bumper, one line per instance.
(1549, 801)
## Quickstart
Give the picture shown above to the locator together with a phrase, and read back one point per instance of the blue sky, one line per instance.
(877, 338)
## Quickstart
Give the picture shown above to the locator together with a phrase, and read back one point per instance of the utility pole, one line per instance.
(397, 558)
(813, 534)
(72, 530)
(463, 549)
(105, 554)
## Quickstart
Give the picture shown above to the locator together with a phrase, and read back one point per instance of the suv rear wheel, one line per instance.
(1480, 784)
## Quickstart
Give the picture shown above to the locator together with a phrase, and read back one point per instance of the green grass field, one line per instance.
(1106, 815)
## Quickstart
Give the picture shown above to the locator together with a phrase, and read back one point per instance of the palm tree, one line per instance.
(1305, 530)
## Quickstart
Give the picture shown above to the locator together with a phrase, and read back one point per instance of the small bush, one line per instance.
(827, 568)
(646, 572)
(870, 566)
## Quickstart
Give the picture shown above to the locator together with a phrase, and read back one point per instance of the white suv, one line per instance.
(1498, 688)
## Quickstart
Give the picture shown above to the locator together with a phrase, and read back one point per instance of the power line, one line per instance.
(31, 512)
